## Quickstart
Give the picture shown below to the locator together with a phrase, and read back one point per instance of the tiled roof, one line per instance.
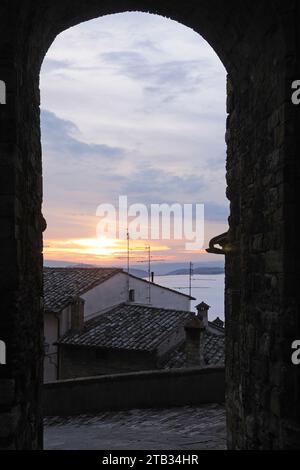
(214, 352)
(214, 349)
(218, 323)
(63, 284)
(128, 327)
(143, 328)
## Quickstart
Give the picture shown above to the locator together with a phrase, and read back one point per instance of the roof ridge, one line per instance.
(159, 285)
(158, 308)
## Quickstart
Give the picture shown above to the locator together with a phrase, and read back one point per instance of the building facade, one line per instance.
(75, 295)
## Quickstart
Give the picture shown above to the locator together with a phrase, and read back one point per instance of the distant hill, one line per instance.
(138, 272)
(159, 269)
(164, 269)
(67, 264)
(201, 270)
(82, 265)
(57, 264)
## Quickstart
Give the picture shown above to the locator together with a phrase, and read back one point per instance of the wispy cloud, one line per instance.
(152, 185)
(58, 135)
(51, 65)
(169, 78)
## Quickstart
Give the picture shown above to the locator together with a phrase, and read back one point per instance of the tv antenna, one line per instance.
(190, 279)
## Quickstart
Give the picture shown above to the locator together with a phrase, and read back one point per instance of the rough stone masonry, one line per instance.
(259, 44)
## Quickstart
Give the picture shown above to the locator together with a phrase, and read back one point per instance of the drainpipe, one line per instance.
(222, 241)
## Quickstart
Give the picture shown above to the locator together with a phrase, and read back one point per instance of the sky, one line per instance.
(132, 105)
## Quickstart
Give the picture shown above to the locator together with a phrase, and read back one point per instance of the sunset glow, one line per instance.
(95, 250)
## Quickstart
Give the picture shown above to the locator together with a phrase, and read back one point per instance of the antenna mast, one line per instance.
(128, 262)
(190, 279)
(148, 248)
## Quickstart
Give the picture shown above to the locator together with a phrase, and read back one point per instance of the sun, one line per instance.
(94, 249)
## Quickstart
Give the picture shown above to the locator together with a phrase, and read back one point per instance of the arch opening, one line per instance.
(133, 105)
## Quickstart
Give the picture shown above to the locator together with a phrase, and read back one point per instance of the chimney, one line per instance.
(202, 312)
(77, 314)
(194, 329)
(131, 295)
(152, 277)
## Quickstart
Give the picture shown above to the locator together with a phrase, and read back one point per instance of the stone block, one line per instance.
(7, 391)
(9, 422)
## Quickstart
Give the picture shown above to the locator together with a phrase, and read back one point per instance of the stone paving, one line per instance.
(189, 428)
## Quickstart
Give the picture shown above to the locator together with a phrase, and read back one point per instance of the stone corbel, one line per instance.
(222, 241)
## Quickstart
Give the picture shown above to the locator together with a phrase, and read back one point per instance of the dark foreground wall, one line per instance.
(258, 42)
(135, 390)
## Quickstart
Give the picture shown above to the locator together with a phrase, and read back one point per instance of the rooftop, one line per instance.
(213, 350)
(144, 328)
(162, 287)
(61, 285)
(128, 327)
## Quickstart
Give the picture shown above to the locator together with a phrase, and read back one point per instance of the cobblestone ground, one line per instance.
(190, 428)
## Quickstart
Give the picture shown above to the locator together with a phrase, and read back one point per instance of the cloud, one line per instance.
(58, 135)
(176, 76)
(149, 185)
(146, 44)
(50, 65)
(216, 212)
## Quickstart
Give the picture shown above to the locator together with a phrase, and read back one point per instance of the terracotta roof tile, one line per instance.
(128, 327)
(143, 328)
(214, 352)
(63, 284)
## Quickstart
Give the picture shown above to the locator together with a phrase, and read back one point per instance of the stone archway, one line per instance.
(258, 43)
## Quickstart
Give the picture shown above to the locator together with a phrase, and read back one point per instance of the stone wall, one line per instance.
(150, 389)
(258, 42)
(21, 325)
(261, 319)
